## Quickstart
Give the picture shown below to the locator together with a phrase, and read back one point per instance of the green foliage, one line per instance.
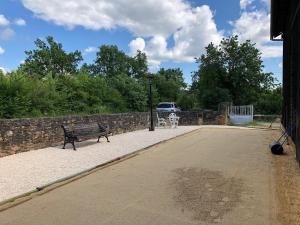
(133, 93)
(270, 102)
(29, 96)
(110, 61)
(231, 72)
(212, 97)
(186, 101)
(49, 83)
(50, 58)
(139, 65)
(169, 84)
(14, 101)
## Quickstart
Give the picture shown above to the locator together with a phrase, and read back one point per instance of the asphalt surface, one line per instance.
(24, 172)
(210, 176)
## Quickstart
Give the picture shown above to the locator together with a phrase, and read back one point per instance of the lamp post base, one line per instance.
(151, 128)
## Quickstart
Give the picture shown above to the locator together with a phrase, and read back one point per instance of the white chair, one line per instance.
(174, 120)
(161, 122)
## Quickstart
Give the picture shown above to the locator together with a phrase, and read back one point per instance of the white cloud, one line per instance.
(255, 26)
(252, 4)
(3, 20)
(156, 21)
(89, 50)
(271, 51)
(2, 50)
(137, 44)
(20, 22)
(189, 41)
(280, 65)
(7, 34)
(143, 19)
(3, 70)
(245, 3)
(266, 2)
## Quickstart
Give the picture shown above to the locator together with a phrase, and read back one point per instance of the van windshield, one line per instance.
(164, 106)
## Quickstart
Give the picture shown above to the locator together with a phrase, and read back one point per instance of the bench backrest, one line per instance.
(68, 131)
(84, 129)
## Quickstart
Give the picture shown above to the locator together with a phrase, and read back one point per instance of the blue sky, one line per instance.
(170, 32)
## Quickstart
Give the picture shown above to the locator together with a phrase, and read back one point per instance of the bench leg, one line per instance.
(64, 145)
(74, 148)
(98, 139)
(107, 138)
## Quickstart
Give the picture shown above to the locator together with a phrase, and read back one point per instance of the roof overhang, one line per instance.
(279, 17)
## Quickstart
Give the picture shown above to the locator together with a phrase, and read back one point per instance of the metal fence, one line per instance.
(241, 114)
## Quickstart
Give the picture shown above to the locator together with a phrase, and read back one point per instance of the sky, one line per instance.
(171, 32)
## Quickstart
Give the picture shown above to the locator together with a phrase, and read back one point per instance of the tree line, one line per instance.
(52, 82)
(234, 72)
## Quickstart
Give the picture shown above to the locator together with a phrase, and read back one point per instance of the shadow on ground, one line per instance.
(81, 144)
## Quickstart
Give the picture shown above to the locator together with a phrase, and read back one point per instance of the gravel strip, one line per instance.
(24, 172)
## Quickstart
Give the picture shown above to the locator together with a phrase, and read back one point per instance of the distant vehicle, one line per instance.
(167, 107)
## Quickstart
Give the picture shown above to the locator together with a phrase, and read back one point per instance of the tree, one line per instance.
(49, 57)
(270, 102)
(110, 61)
(139, 65)
(208, 81)
(186, 101)
(231, 71)
(14, 100)
(133, 92)
(169, 84)
(49, 83)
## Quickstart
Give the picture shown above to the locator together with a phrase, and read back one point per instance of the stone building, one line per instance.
(285, 26)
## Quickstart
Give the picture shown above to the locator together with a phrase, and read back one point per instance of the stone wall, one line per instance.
(186, 118)
(20, 135)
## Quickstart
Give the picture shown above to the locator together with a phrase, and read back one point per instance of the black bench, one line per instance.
(73, 133)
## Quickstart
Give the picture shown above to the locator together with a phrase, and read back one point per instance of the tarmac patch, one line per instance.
(207, 194)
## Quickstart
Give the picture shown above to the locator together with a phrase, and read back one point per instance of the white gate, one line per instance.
(241, 114)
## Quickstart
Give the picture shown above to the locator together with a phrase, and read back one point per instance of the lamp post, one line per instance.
(150, 78)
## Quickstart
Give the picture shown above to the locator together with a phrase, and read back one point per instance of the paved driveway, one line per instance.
(210, 176)
(24, 172)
